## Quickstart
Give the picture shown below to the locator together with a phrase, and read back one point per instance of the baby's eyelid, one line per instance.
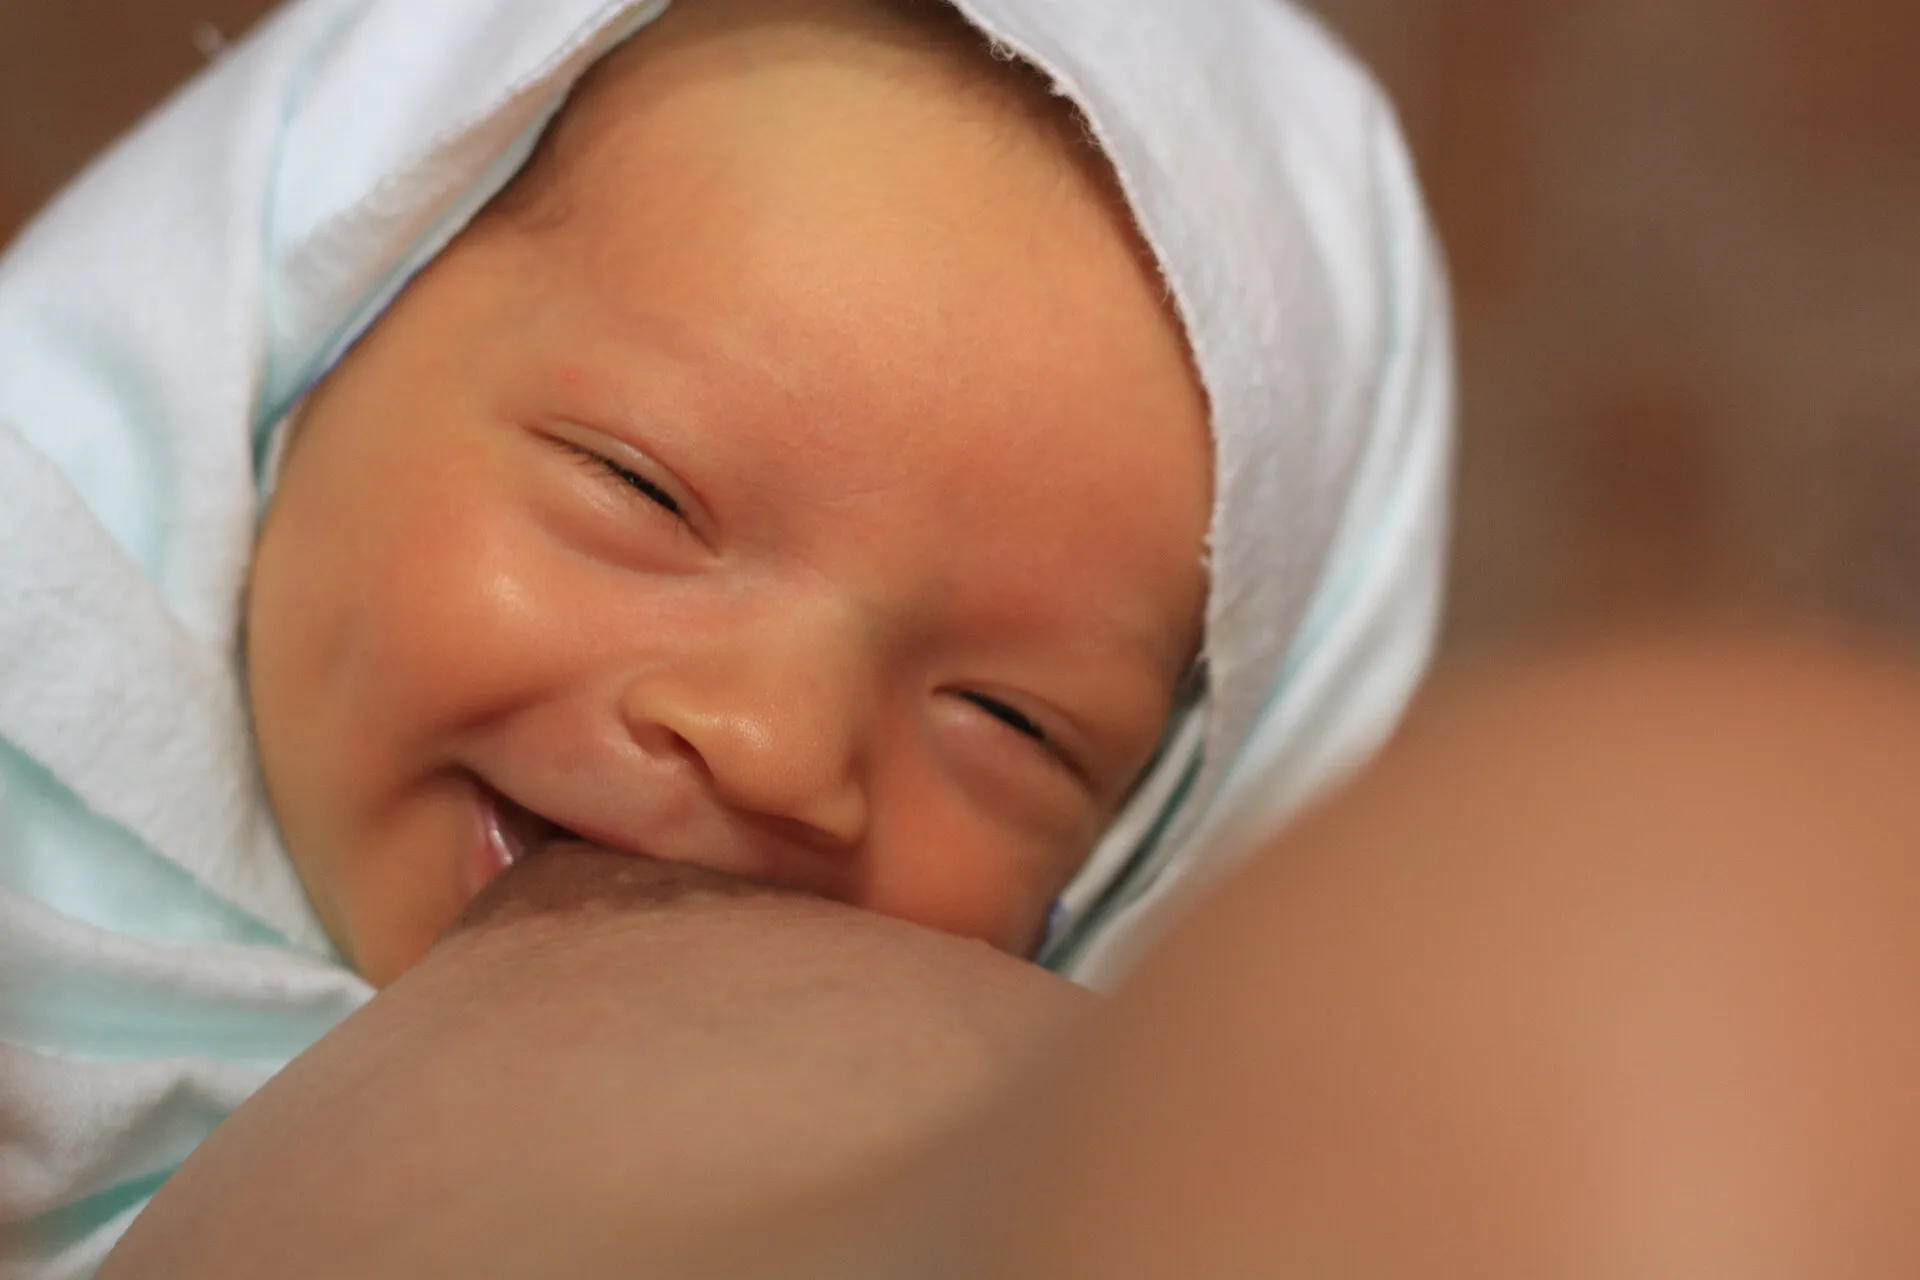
(1030, 727)
(640, 472)
(1011, 716)
(641, 485)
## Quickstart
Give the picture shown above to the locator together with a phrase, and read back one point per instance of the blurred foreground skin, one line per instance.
(1609, 967)
(613, 1062)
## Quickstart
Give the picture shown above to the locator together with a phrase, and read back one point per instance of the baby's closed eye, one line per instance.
(610, 468)
(1012, 717)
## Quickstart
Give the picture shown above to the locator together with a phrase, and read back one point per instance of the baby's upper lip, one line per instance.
(588, 833)
(533, 829)
(527, 830)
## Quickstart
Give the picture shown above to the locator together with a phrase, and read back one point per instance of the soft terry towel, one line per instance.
(157, 958)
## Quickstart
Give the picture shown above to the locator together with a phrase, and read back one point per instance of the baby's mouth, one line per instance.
(509, 833)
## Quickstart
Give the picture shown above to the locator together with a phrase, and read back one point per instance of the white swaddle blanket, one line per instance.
(157, 958)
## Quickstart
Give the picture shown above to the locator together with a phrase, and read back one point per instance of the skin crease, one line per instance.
(887, 341)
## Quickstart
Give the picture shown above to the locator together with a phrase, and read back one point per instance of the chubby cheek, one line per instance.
(947, 869)
(374, 642)
(467, 607)
(454, 625)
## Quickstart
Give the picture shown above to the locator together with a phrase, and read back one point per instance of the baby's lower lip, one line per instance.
(501, 837)
(489, 850)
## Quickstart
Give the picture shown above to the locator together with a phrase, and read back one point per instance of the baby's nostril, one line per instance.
(664, 742)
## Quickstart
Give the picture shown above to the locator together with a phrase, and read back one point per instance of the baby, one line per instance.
(982, 464)
(798, 471)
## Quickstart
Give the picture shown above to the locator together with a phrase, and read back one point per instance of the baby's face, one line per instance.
(816, 492)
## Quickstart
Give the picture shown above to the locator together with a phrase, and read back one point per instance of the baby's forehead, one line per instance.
(755, 52)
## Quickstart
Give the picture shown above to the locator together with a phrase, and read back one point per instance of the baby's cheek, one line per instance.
(962, 875)
(464, 619)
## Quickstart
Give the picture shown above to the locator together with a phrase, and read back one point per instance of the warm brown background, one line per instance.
(1686, 242)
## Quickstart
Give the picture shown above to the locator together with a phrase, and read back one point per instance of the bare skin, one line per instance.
(614, 1062)
(1607, 969)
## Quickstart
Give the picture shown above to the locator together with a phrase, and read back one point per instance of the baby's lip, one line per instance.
(507, 832)
(614, 841)
(511, 831)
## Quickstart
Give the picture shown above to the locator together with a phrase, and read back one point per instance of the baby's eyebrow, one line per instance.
(711, 375)
(698, 347)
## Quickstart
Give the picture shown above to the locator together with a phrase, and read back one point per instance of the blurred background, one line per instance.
(1685, 237)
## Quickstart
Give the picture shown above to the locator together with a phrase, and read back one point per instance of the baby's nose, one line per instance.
(773, 737)
(765, 761)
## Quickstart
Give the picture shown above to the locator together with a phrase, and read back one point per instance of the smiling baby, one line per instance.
(982, 463)
(798, 472)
